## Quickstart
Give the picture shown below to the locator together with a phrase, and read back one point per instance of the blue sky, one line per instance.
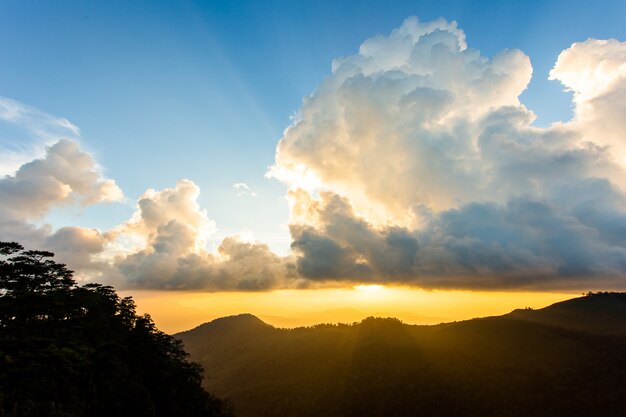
(203, 90)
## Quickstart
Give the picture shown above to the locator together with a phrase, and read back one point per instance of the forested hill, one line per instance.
(566, 360)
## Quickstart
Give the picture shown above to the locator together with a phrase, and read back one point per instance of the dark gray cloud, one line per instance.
(523, 244)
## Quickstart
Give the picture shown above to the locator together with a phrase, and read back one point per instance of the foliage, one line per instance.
(69, 350)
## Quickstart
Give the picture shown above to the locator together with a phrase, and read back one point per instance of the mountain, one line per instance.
(566, 360)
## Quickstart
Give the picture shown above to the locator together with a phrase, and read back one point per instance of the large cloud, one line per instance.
(428, 170)
(398, 123)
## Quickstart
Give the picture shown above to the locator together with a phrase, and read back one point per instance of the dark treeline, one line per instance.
(69, 350)
(566, 360)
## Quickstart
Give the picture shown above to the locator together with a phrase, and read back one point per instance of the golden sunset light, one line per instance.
(177, 311)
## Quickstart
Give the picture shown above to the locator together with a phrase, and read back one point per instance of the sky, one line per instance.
(246, 148)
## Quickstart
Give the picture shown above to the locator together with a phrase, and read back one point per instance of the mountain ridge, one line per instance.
(519, 364)
(600, 313)
(545, 315)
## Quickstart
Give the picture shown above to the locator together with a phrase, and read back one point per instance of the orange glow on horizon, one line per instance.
(177, 311)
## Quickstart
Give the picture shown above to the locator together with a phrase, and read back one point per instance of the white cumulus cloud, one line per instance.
(172, 232)
(429, 170)
(65, 175)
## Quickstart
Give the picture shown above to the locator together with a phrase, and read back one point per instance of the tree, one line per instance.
(70, 350)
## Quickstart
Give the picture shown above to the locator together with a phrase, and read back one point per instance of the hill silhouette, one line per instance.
(565, 360)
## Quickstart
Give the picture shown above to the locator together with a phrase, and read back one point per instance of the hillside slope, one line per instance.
(601, 313)
(497, 366)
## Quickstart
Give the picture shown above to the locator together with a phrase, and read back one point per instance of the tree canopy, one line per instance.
(81, 350)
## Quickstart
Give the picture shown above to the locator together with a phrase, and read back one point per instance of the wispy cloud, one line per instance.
(25, 131)
(35, 120)
(244, 190)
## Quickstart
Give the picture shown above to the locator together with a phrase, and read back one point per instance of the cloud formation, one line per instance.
(413, 162)
(172, 232)
(162, 246)
(525, 243)
(65, 175)
(427, 169)
(398, 122)
(244, 189)
(595, 71)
